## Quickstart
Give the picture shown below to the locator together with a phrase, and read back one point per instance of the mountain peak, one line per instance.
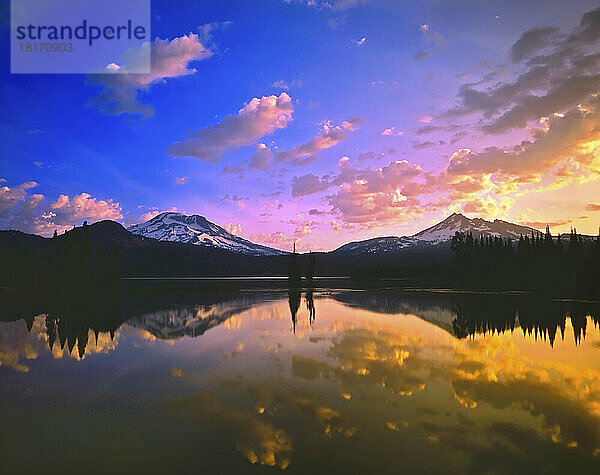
(437, 234)
(197, 230)
(444, 230)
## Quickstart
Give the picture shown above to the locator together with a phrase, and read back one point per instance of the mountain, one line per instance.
(197, 230)
(444, 230)
(438, 235)
(75, 256)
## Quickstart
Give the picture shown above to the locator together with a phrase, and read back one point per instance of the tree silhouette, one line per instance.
(539, 262)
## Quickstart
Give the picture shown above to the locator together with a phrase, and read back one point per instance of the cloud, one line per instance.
(317, 212)
(24, 211)
(374, 197)
(181, 180)
(391, 131)
(543, 224)
(555, 101)
(303, 154)
(308, 185)
(10, 197)
(565, 142)
(335, 22)
(83, 207)
(593, 207)
(422, 54)
(278, 240)
(564, 74)
(532, 41)
(429, 37)
(359, 42)
(169, 59)
(262, 158)
(423, 145)
(281, 84)
(234, 228)
(38, 164)
(260, 117)
(339, 5)
(151, 214)
(333, 5)
(401, 191)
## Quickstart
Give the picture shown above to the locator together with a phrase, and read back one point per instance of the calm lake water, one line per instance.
(322, 381)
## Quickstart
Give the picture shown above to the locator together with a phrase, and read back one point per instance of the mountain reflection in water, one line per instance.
(304, 379)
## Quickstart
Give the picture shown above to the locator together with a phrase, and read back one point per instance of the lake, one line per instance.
(327, 380)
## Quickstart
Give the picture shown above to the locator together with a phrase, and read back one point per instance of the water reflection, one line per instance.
(381, 381)
(294, 296)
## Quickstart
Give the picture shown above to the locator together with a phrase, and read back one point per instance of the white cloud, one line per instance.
(169, 59)
(359, 42)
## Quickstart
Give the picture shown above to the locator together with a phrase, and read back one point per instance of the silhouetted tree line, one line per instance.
(69, 260)
(539, 262)
(69, 316)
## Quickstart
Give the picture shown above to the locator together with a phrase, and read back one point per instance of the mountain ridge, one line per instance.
(437, 235)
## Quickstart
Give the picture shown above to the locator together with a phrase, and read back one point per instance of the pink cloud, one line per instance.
(24, 211)
(84, 207)
(276, 239)
(260, 117)
(234, 228)
(9, 197)
(151, 214)
(392, 132)
(329, 136)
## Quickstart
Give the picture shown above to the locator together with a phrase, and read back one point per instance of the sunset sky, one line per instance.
(319, 121)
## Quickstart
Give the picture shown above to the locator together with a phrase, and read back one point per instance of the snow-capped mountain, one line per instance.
(198, 230)
(438, 234)
(444, 230)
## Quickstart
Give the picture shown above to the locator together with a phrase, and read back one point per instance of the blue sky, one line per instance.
(336, 62)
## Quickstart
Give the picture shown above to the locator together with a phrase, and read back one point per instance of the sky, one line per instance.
(320, 122)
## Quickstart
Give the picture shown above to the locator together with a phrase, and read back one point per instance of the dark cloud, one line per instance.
(308, 184)
(531, 42)
(562, 72)
(422, 54)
